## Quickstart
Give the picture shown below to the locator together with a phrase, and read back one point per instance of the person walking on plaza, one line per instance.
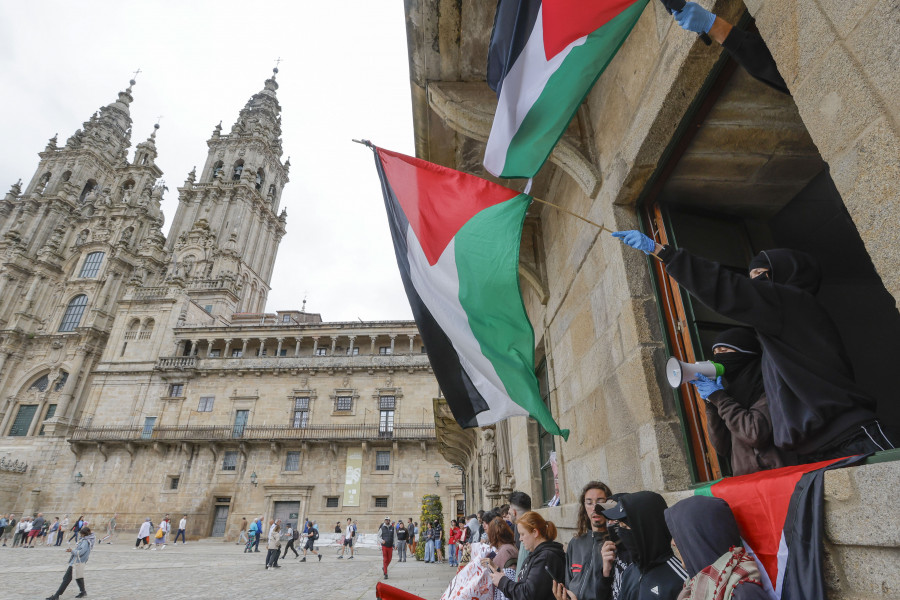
(182, 525)
(349, 534)
(251, 538)
(402, 536)
(21, 529)
(273, 545)
(111, 529)
(386, 535)
(437, 536)
(411, 528)
(63, 527)
(7, 522)
(52, 533)
(76, 528)
(144, 534)
(429, 543)
(312, 534)
(292, 536)
(36, 527)
(80, 555)
(242, 535)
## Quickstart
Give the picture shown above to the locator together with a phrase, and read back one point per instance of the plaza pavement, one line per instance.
(211, 570)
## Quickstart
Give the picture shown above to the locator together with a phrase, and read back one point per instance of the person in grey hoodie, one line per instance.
(80, 555)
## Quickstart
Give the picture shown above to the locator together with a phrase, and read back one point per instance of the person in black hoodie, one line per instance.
(737, 410)
(706, 533)
(655, 573)
(546, 561)
(817, 409)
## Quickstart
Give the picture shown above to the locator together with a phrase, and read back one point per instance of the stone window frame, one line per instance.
(353, 393)
(206, 403)
(287, 455)
(387, 502)
(90, 266)
(236, 454)
(312, 395)
(372, 459)
(168, 489)
(397, 394)
(337, 502)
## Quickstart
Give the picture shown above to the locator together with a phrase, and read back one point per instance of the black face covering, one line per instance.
(734, 362)
(630, 542)
(764, 276)
(743, 374)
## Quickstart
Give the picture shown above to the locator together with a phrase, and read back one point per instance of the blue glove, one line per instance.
(636, 240)
(706, 386)
(694, 17)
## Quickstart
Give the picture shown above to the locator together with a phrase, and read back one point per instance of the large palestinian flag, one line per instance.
(780, 515)
(543, 59)
(456, 238)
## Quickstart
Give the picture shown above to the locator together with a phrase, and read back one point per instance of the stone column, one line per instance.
(244, 346)
(315, 344)
(193, 348)
(297, 347)
(65, 398)
(7, 406)
(29, 297)
(393, 337)
(227, 352)
(350, 349)
(209, 345)
(4, 354)
(373, 338)
(262, 346)
(37, 418)
(412, 339)
(333, 344)
(278, 351)
(177, 347)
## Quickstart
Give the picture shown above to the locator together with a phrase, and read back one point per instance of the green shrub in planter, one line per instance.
(432, 510)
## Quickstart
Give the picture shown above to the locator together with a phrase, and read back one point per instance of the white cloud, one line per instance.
(344, 75)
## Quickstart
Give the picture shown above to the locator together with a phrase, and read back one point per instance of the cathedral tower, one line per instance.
(227, 228)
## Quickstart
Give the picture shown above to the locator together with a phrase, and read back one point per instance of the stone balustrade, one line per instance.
(176, 362)
(261, 433)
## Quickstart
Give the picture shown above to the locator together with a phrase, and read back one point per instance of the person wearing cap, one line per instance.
(386, 535)
(737, 410)
(655, 573)
(590, 554)
(817, 408)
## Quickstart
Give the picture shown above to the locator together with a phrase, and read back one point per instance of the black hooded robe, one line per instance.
(813, 399)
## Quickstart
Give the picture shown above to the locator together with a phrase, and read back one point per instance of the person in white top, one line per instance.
(144, 534)
(349, 531)
(182, 525)
(165, 528)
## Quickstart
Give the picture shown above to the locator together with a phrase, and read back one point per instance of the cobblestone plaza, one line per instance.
(211, 570)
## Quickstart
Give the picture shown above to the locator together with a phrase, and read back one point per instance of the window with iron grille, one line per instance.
(206, 403)
(292, 461)
(176, 390)
(301, 412)
(343, 403)
(91, 265)
(383, 460)
(173, 483)
(381, 502)
(74, 310)
(387, 402)
(331, 502)
(229, 463)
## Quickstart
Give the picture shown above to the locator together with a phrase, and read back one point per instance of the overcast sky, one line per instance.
(344, 75)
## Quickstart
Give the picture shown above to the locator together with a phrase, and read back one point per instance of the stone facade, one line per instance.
(140, 374)
(670, 125)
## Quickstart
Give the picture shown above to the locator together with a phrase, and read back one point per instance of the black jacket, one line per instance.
(584, 568)
(704, 529)
(813, 399)
(533, 582)
(386, 533)
(655, 573)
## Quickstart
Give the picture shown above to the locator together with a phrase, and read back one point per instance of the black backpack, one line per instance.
(295, 535)
(315, 534)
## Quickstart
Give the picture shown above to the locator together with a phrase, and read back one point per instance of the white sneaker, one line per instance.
(163, 547)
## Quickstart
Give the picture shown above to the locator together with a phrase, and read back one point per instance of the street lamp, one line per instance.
(437, 478)
(253, 479)
(78, 478)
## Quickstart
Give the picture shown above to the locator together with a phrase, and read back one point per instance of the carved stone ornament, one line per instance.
(489, 467)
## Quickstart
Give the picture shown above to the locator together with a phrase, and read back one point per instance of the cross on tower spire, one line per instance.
(137, 72)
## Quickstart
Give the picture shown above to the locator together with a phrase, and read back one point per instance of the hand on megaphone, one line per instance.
(706, 386)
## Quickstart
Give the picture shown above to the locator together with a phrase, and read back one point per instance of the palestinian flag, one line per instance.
(780, 515)
(456, 238)
(543, 59)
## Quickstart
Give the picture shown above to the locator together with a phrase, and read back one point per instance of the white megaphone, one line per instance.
(678, 372)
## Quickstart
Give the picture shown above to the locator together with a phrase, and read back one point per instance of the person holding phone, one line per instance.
(545, 564)
(590, 555)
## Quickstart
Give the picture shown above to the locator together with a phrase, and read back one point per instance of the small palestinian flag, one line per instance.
(456, 238)
(543, 59)
(780, 515)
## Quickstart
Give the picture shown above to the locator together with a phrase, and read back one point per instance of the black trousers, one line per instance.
(272, 557)
(67, 579)
(290, 546)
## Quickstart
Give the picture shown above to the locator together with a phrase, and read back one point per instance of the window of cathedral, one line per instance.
(51, 410)
(229, 462)
(91, 265)
(260, 179)
(272, 190)
(42, 182)
(61, 382)
(292, 461)
(237, 171)
(40, 384)
(146, 329)
(206, 403)
(176, 390)
(217, 168)
(88, 188)
(132, 332)
(22, 422)
(173, 482)
(74, 311)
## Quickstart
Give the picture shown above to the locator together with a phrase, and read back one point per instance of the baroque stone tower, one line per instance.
(227, 229)
(69, 243)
